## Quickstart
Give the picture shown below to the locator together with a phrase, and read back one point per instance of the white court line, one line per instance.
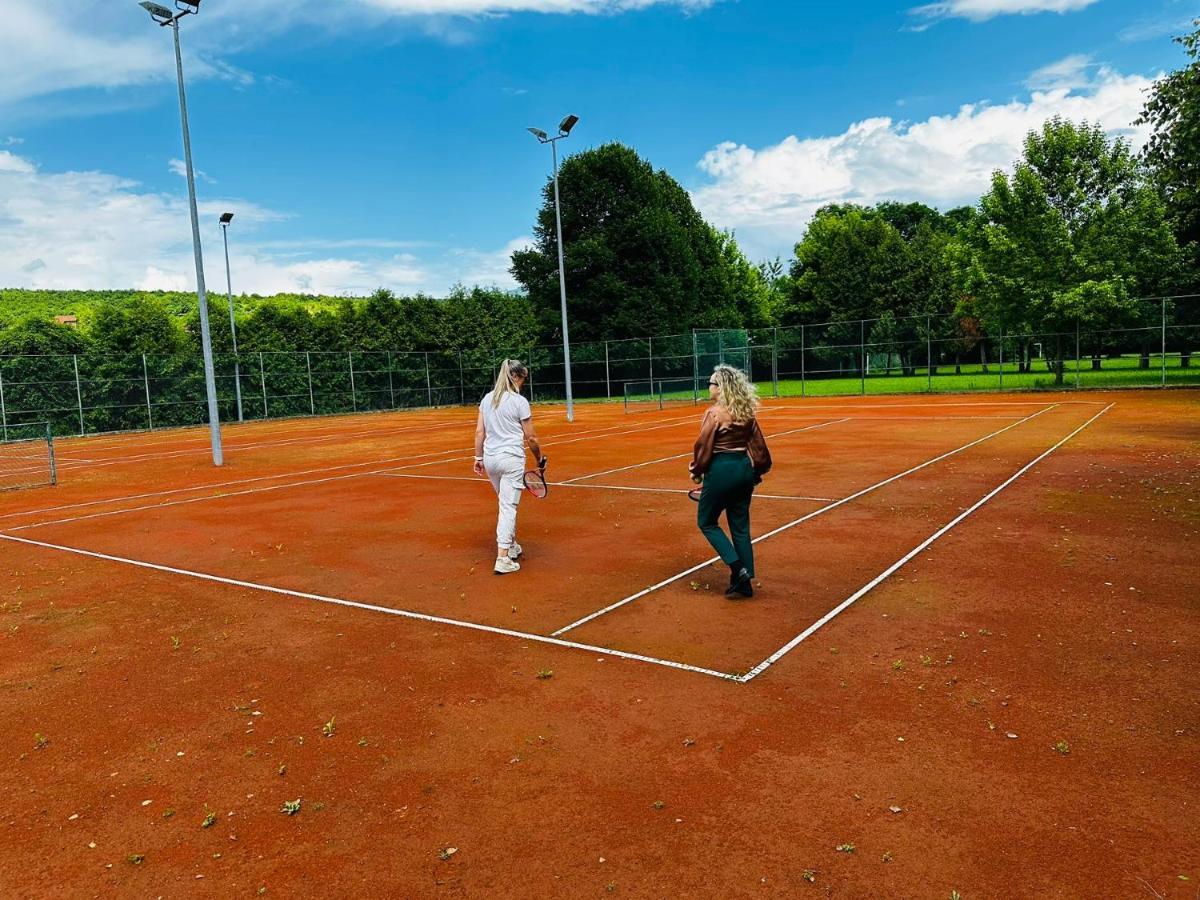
(689, 453)
(604, 487)
(824, 509)
(585, 436)
(355, 604)
(886, 573)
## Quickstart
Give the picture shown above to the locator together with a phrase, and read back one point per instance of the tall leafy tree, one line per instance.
(639, 258)
(1077, 208)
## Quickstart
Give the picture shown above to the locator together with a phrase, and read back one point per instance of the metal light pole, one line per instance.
(564, 129)
(226, 218)
(166, 17)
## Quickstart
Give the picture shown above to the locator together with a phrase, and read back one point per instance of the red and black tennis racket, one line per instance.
(535, 480)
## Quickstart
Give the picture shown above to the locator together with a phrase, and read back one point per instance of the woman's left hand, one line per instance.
(478, 467)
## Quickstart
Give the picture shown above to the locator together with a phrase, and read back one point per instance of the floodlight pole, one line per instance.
(564, 130)
(159, 13)
(237, 373)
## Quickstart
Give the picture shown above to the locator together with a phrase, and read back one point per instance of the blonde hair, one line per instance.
(510, 370)
(736, 392)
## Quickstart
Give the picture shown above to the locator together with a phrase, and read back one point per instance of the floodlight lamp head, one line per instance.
(157, 11)
(226, 218)
(188, 6)
(538, 133)
(565, 126)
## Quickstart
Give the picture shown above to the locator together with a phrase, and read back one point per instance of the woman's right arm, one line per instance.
(480, 434)
(702, 452)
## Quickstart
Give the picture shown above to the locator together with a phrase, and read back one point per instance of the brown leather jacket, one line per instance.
(720, 434)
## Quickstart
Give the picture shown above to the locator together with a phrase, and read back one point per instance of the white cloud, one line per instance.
(71, 45)
(1151, 29)
(96, 230)
(982, 10)
(1069, 72)
(178, 167)
(768, 194)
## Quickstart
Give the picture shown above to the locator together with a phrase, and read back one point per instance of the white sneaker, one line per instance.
(506, 565)
(515, 551)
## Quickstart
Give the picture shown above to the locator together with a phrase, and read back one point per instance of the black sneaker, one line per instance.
(740, 585)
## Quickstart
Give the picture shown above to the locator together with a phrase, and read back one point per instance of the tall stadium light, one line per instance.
(564, 129)
(167, 17)
(226, 218)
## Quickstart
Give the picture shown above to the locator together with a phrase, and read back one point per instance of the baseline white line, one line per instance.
(605, 487)
(586, 436)
(890, 570)
(355, 604)
(812, 515)
(682, 455)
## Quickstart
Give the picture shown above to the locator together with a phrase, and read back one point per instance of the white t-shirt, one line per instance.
(502, 424)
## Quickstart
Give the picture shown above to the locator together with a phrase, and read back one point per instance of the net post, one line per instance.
(146, 381)
(607, 381)
(78, 391)
(429, 384)
(803, 389)
(50, 452)
(3, 407)
(353, 389)
(312, 404)
(391, 381)
(262, 380)
(928, 354)
(1164, 341)
(862, 356)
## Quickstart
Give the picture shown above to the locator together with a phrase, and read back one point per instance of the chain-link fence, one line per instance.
(91, 393)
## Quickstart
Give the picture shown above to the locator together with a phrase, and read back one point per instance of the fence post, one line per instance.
(312, 404)
(353, 390)
(262, 380)
(3, 408)
(607, 381)
(695, 369)
(928, 355)
(146, 379)
(775, 360)
(1164, 342)
(78, 392)
(462, 388)
(528, 365)
(862, 358)
(1001, 357)
(429, 384)
(1077, 354)
(802, 385)
(651, 361)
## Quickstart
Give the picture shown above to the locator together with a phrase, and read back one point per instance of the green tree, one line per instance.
(1077, 208)
(639, 258)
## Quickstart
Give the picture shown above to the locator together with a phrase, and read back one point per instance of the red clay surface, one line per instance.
(1064, 611)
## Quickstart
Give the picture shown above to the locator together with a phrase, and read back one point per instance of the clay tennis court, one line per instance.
(970, 663)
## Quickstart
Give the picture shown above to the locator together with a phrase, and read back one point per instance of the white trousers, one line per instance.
(506, 472)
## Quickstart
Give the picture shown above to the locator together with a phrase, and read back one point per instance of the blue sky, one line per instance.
(382, 142)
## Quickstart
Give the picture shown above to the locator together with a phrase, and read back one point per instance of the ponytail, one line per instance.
(510, 370)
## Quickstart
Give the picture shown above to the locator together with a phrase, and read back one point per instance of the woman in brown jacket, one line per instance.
(731, 456)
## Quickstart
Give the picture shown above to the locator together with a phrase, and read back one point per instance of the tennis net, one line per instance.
(27, 457)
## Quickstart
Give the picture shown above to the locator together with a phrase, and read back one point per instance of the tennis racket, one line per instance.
(535, 480)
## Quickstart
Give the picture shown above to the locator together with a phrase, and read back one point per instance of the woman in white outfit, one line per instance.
(504, 425)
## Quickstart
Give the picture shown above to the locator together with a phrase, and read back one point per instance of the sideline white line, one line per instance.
(605, 487)
(355, 604)
(882, 576)
(682, 455)
(812, 515)
(585, 436)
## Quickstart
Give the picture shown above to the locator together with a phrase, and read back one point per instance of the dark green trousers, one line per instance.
(728, 488)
